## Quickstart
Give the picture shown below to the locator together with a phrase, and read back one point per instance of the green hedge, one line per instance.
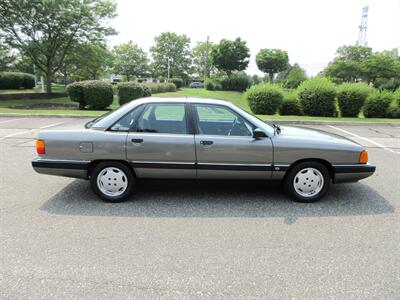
(377, 104)
(128, 91)
(351, 98)
(264, 98)
(161, 87)
(16, 80)
(177, 81)
(317, 97)
(290, 105)
(212, 84)
(235, 82)
(91, 94)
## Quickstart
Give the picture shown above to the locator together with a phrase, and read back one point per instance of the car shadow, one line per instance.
(198, 199)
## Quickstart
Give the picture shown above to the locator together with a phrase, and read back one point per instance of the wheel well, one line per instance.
(322, 161)
(94, 163)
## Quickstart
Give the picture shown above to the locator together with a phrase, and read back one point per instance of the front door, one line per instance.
(161, 146)
(225, 147)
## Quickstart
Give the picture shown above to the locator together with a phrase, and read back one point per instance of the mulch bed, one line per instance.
(68, 106)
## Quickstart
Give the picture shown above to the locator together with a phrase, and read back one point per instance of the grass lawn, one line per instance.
(236, 98)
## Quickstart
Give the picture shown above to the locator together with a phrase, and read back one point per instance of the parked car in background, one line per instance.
(197, 139)
(196, 85)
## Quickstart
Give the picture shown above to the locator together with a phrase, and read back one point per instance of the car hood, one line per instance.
(308, 134)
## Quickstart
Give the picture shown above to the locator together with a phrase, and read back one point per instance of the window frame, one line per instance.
(195, 118)
(140, 108)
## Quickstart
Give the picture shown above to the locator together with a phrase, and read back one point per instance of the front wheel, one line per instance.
(112, 181)
(307, 182)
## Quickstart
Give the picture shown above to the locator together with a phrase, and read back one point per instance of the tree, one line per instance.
(230, 56)
(175, 48)
(46, 29)
(296, 76)
(130, 60)
(7, 58)
(354, 53)
(272, 61)
(381, 65)
(202, 59)
(348, 64)
(86, 61)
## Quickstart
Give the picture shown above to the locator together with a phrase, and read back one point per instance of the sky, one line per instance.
(309, 30)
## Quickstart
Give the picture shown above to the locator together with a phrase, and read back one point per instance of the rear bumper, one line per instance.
(352, 173)
(67, 168)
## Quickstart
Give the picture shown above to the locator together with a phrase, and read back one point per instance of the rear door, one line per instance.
(162, 145)
(225, 147)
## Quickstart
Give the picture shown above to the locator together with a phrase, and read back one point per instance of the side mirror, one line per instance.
(258, 133)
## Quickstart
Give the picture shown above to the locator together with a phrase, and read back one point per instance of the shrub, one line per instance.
(170, 87)
(351, 98)
(209, 84)
(295, 77)
(212, 84)
(128, 91)
(146, 91)
(264, 98)
(177, 81)
(317, 97)
(377, 104)
(235, 82)
(396, 95)
(290, 105)
(92, 94)
(393, 112)
(16, 80)
(161, 87)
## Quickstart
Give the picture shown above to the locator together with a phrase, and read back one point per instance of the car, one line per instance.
(192, 138)
(196, 85)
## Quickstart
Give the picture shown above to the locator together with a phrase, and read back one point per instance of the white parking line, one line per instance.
(30, 130)
(365, 139)
(52, 125)
(6, 121)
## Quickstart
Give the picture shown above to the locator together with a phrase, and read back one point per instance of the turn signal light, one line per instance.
(363, 157)
(40, 147)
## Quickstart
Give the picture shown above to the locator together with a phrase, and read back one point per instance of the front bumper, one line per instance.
(67, 168)
(352, 173)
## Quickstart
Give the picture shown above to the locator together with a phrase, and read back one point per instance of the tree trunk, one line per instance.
(49, 77)
(271, 77)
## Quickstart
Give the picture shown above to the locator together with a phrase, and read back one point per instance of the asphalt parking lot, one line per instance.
(196, 240)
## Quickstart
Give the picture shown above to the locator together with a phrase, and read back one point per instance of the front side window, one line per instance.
(163, 118)
(219, 120)
(126, 122)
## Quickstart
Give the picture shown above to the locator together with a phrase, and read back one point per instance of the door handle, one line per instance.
(137, 141)
(206, 143)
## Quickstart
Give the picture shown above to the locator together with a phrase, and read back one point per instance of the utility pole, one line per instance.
(362, 33)
(34, 74)
(207, 62)
(169, 59)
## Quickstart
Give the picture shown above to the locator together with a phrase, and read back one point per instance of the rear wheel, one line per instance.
(112, 181)
(307, 182)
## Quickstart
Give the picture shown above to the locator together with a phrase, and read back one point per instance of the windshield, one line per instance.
(258, 122)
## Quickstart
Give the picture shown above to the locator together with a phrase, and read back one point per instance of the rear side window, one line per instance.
(163, 118)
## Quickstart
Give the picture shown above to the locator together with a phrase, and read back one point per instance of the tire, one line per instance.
(112, 181)
(307, 182)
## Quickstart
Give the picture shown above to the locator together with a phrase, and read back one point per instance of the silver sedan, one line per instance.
(197, 139)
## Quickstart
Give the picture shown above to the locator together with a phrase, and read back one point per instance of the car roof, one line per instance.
(179, 100)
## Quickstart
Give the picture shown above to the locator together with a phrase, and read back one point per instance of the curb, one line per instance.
(283, 122)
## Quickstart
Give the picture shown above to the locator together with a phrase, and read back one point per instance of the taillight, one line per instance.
(40, 147)
(363, 157)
